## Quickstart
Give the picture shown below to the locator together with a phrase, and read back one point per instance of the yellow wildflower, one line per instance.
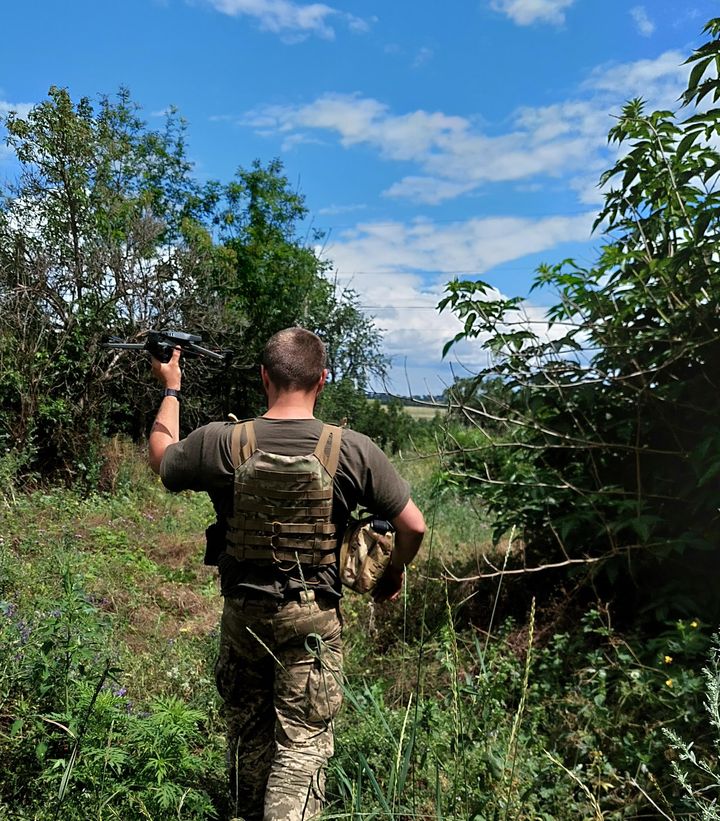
(668, 659)
(694, 624)
(669, 683)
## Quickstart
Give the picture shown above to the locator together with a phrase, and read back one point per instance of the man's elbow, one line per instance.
(154, 459)
(417, 528)
(410, 521)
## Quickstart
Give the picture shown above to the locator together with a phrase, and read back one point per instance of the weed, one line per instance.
(108, 707)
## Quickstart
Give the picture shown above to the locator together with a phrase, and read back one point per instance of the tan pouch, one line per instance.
(365, 553)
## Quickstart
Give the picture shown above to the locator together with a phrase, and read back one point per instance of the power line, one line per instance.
(495, 270)
(426, 271)
(399, 307)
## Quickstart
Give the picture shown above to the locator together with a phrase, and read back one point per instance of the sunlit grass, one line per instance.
(447, 715)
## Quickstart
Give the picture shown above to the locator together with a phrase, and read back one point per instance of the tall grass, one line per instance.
(108, 708)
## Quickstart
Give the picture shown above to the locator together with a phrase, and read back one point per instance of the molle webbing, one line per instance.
(283, 504)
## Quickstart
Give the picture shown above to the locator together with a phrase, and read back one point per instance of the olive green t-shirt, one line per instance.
(365, 478)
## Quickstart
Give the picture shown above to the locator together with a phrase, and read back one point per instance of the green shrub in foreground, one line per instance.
(72, 745)
(503, 728)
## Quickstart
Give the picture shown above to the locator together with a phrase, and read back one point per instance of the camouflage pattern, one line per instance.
(279, 673)
(364, 555)
(282, 508)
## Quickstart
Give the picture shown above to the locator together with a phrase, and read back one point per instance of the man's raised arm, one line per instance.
(166, 427)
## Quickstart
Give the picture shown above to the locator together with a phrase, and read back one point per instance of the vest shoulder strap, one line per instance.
(329, 457)
(242, 451)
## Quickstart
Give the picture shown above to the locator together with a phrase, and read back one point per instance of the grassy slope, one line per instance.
(439, 720)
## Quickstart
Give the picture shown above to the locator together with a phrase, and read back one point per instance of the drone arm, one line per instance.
(200, 351)
(125, 346)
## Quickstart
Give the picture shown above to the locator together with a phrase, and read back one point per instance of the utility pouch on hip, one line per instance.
(365, 553)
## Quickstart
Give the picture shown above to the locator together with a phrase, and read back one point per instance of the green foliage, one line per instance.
(81, 236)
(604, 446)
(389, 425)
(503, 729)
(105, 231)
(85, 730)
(108, 709)
(695, 771)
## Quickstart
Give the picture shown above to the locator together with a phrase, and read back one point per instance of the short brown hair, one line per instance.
(294, 359)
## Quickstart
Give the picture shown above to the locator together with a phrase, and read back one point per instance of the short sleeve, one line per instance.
(379, 488)
(384, 485)
(201, 461)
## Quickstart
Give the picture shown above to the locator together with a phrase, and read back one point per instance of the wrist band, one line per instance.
(172, 392)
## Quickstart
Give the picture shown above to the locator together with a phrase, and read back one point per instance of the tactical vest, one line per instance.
(282, 505)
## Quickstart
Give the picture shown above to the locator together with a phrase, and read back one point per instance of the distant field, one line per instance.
(424, 412)
(420, 411)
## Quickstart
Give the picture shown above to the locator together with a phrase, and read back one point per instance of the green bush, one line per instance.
(609, 452)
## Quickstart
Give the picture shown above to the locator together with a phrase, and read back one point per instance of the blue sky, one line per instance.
(430, 140)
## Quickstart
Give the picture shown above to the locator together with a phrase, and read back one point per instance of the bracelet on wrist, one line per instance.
(172, 392)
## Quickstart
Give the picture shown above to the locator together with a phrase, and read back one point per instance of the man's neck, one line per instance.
(291, 405)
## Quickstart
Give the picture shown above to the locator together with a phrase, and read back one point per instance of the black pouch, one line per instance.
(214, 544)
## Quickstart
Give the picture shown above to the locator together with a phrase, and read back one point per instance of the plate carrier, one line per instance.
(282, 505)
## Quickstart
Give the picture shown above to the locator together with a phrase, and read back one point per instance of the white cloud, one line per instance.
(400, 270)
(334, 210)
(359, 25)
(656, 80)
(454, 156)
(21, 109)
(359, 120)
(292, 20)
(473, 245)
(643, 23)
(423, 56)
(447, 148)
(428, 190)
(526, 12)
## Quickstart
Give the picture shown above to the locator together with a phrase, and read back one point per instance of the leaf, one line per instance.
(685, 143)
(702, 221)
(375, 786)
(407, 757)
(697, 72)
(448, 345)
(710, 473)
(69, 767)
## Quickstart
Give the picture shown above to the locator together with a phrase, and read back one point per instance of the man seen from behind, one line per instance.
(283, 486)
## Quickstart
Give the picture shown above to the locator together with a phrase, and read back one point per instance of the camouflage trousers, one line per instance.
(279, 674)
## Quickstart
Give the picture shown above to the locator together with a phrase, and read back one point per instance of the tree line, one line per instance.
(105, 230)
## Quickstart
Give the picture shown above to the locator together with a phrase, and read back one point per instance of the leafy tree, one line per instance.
(105, 231)
(353, 341)
(86, 242)
(270, 279)
(611, 455)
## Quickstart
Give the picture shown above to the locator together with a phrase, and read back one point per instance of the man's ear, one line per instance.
(265, 378)
(322, 380)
